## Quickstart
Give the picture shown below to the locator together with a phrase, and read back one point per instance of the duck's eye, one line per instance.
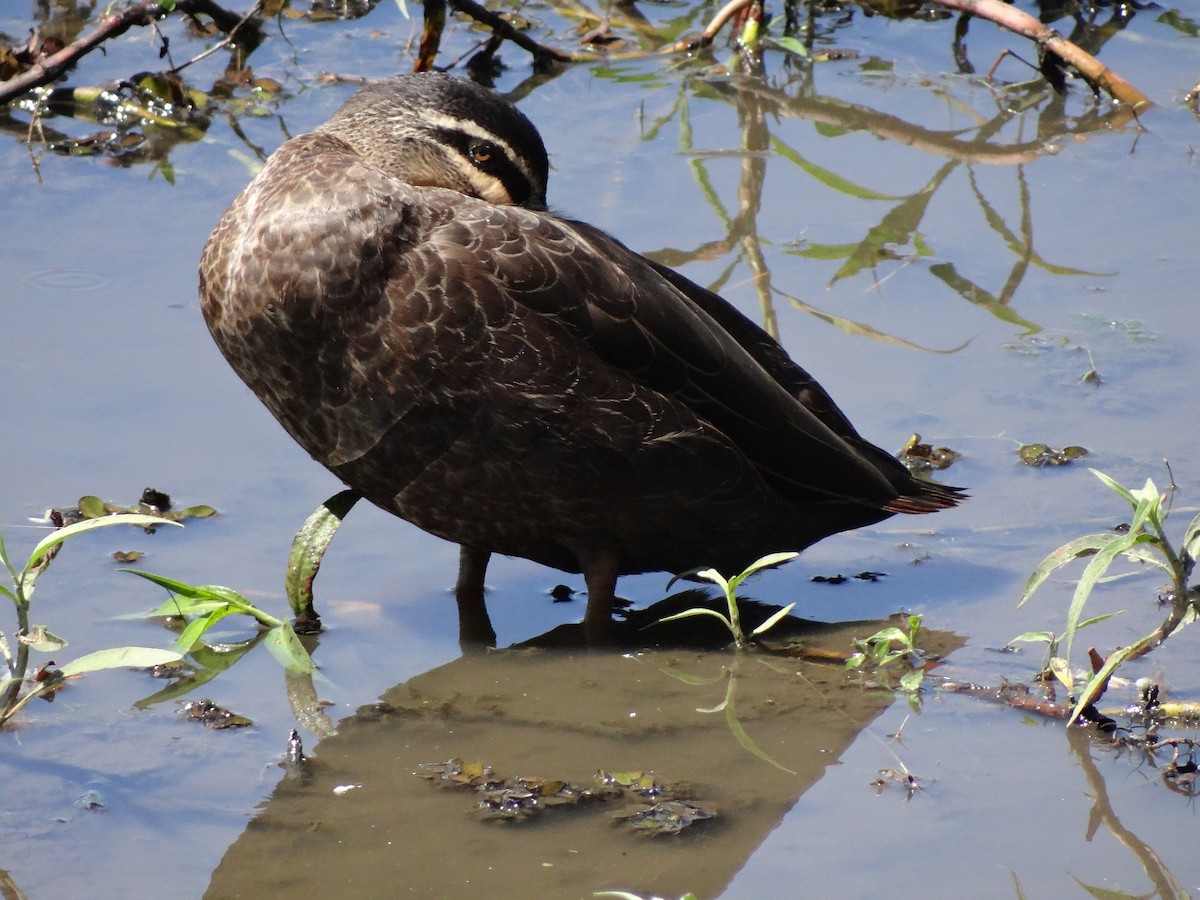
(484, 152)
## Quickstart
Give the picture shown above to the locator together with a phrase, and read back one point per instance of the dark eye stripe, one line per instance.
(497, 163)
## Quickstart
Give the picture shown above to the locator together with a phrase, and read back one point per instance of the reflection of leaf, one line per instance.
(824, 251)
(894, 230)
(849, 326)
(211, 664)
(973, 293)
(1016, 245)
(831, 180)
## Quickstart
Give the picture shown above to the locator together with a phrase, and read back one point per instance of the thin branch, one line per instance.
(1051, 41)
(140, 14)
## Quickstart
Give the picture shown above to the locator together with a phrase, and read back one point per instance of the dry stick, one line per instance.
(1050, 40)
(144, 13)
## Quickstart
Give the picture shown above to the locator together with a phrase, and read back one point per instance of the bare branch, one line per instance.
(145, 12)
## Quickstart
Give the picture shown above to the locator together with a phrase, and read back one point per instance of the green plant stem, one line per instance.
(9, 705)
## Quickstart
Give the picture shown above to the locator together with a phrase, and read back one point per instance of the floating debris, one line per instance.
(152, 503)
(919, 457)
(214, 716)
(1045, 455)
(652, 808)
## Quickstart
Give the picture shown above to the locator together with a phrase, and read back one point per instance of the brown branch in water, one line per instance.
(724, 14)
(1051, 41)
(505, 29)
(140, 14)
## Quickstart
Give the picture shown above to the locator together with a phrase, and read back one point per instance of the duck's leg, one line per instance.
(474, 627)
(600, 570)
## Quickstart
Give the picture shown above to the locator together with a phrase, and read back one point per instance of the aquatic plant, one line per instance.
(729, 588)
(1144, 541)
(207, 604)
(40, 638)
(891, 648)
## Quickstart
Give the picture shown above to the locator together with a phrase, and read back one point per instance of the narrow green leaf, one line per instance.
(1067, 553)
(769, 561)
(1112, 484)
(119, 658)
(1034, 637)
(695, 611)
(1095, 568)
(774, 619)
(198, 626)
(59, 535)
(309, 546)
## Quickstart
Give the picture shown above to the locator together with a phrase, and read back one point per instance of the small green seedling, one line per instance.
(729, 589)
(892, 648)
(1144, 541)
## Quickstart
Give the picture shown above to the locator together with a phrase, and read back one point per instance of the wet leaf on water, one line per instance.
(127, 556)
(214, 716)
(1045, 455)
(92, 507)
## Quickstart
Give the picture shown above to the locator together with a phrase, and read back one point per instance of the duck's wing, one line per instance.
(692, 346)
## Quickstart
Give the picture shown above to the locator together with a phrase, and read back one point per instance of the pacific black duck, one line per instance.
(393, 287)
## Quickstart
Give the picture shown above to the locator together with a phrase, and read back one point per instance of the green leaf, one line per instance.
(695, 611)
(1098, 565)
(43, 640)
(1112, 484)
(308, 549)
(767, 562)
(788, 44)
(911, 681)
(774, 619)
(285, 646)
(1061, 670)
(198, 626)
(119, 658)
(1067, 553)
(59, 535)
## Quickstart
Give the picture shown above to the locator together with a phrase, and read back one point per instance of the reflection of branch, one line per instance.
(140, 14)
(1048, 39)
(1166, 884)
(849, 326)
(230, 28)
(505, 29)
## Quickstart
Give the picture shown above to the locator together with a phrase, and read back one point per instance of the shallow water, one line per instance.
(1076, 229)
